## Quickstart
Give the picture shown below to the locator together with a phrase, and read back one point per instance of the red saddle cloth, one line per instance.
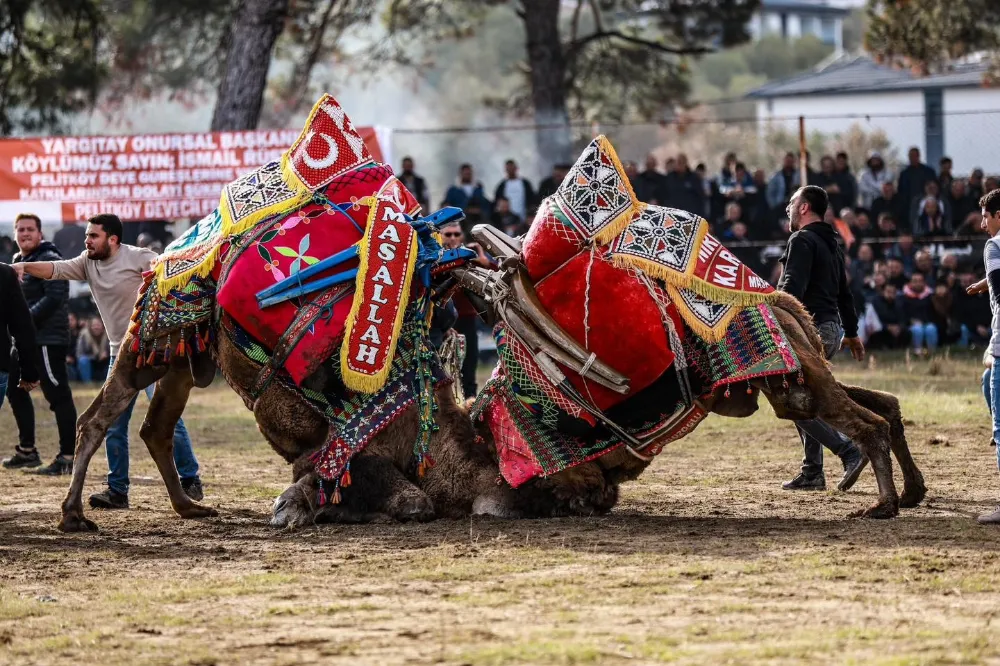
(283, 247)
(607, 309)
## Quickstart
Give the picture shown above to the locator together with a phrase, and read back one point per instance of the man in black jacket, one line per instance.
(48, 303)
(415, 184)
(814, 273)
(683, 188)
(15, 322)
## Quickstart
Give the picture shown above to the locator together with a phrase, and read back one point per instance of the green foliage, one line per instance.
(855, 26)
(926, 35)
(49, 63)
(718, 69)
(732, 73)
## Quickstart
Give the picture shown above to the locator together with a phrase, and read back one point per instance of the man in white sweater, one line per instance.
(114, 272)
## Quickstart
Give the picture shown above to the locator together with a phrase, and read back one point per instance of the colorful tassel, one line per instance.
(181, 347)
(151, 359)
(166, 354)
(135, 345)
(345, 479)
(336, 495)
(139, 361)
(199, 344)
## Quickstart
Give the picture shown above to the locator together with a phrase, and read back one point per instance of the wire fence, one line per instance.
(757, 138)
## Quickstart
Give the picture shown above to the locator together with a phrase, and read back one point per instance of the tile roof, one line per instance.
(860, 74)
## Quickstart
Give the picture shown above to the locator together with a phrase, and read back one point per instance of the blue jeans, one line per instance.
(187, 465)
(991, 391)
(924, 333)
(84, 370)
(3, 386)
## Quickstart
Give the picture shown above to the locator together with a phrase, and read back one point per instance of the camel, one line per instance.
(462, 482)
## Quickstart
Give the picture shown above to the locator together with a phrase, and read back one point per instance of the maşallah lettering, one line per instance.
(388, 254)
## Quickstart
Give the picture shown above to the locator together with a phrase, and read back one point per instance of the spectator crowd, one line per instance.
(912, 238)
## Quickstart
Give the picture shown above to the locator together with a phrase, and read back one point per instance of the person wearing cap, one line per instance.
(872, 178)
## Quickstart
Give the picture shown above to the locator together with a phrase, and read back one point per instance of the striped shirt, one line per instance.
(991, 255)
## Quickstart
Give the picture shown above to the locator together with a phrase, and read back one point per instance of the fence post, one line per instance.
(803, 160)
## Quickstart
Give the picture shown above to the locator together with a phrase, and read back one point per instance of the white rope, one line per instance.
(586, 302)
(586, 326)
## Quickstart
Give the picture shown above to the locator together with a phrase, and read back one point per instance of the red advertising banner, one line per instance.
(138, 177)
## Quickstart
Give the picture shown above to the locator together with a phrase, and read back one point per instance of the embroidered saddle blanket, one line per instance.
(283, 247)
(641, 286)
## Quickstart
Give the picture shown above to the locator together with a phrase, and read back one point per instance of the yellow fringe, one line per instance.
(609, 231)
(370, 383)
(703, 331)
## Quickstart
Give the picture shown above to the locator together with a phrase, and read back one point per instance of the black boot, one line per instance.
(22, 459)
(854, 463)
(61, 465)
(109, 499)
(192, 488)
(806, 482)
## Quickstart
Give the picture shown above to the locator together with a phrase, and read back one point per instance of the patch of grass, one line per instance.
(536, 651)
(13, 607)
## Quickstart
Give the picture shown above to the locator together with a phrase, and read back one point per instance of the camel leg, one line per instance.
(92, 426)
(869, 431)
(157, 432)
(887, 406)
(821, 396)
(377, 489)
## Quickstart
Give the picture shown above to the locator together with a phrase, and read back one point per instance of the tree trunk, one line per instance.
(548, 81)
(255, 29)
(293, 96)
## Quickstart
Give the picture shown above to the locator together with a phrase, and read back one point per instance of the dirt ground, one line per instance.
(706, 559)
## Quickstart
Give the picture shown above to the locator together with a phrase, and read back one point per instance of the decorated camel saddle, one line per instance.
(315, 265)
(604, 304)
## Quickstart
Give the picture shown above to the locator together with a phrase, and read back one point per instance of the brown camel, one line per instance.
(463, 481)
(871, 418)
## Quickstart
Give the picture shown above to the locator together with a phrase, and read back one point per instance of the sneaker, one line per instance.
(22, 460)
(990, 518)
(192, 488)
(806, 482)
(61, 465)
(854, 463)
(109, 499)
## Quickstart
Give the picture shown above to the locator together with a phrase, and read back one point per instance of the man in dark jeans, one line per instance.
(15, 322)
(48, 304)
(467, 319)
(813, 272)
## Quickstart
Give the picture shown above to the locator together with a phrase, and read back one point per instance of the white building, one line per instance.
(793, 19)
(950, 114)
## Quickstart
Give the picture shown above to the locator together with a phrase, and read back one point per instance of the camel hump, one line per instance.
(794, 308)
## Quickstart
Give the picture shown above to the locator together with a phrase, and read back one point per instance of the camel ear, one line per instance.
(596, 196)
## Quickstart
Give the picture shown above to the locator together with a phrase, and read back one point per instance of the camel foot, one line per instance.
(416, 507)
(879, 511)
(75, 522)
(912, 496)
(195, 510)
